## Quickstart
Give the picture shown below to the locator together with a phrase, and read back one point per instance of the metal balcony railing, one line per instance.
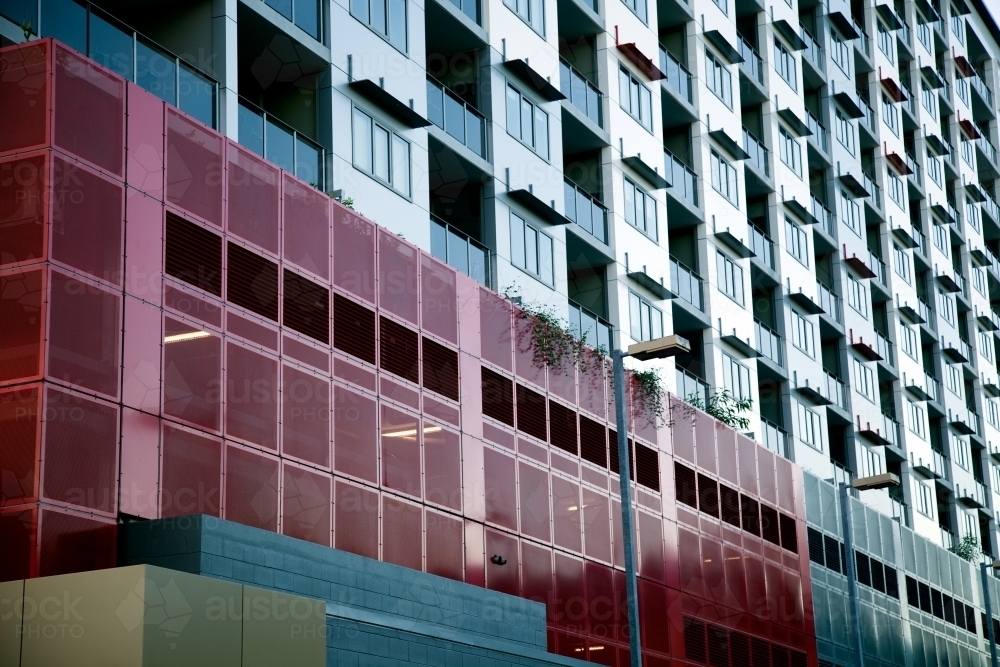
(979, 85)
(820, 134)
(683, 180)
(690, 386)
(687, 284)
(990, 208)
(589, 327)
(986, 147)
(878, 266)
(456, 117)
(925, 312)
(275, 141)
(836, 390)
(678, 79)
(884, 348)
(813, 51)
(752, 62)
(872, 187)
(890, 430)
(761, 244)
(921, 240)
(829, 302)
(932, 386)
(774, 438)
(914, 167)
(827, 222)
(584, 209)
(868, 115)
(963, 284)
(911, 101)
(768, 342)
(758, 152)
(460, 251)
(581, 93)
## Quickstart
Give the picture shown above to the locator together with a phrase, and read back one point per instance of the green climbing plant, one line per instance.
(725, 407)
(651, 394)
(26, 28)
(967, 548)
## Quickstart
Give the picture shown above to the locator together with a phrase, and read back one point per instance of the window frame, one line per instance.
(796, 242)
(730, 272)
(649, 203)
(514, 6)
(785, 64)
(536, 109)
(388, 23)
(718, 75)
(524, 245)
(639, 306)
(731, 184)
(739, 390)
(643, 97)
(393, 139)
(790, 150)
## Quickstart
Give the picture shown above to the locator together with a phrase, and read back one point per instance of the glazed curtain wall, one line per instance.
(188, 329)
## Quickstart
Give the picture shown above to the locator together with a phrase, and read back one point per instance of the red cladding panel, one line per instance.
(253, 196)
(398, 288)
(725, 440)
(251, 396)
(566, 508)
(601, 619)
(80, 460)
(536, 575)
(596, 525)
(501, 489)
(442, 467)
(704, 428)
(23, 198)
(534, 502)
(736, 584)
(495, 328)
(251, 488)
(192, 474)
(17, 534)
(400, 451)
(765, 474)
(651, 546)
(355, 437)
(653, 613)
(592, 389)
(562, 381)
(24, 98)
(757, 602)
(144, 158)
(194, 168)
(689, 563)
(141, 355)
(192, 373)
(402, 533)
(18, 444)
(140, 466)
(571, 605)
(356, 522)
(713, 570)
(748, 464)
(89, 112)
(353, 253)
(73, 543)
(524, 352)
(438, 299)
(251, 331)
(21, 333)
(188, 304)
(305, 505)
(475, 557)
(306, 228)
(143, 246)
(503, 578)
(305, 422)
(444, 545)
(682, 431)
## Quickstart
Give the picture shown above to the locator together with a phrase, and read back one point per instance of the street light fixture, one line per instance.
(659, 348)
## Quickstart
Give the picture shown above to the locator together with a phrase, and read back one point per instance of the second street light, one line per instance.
(659, 348)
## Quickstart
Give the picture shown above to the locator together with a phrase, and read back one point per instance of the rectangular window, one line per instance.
(946, 306)
(885, 42)
(925, 497)
(531, 12)
(992, 413)
(381, 153)
(530, 250)
(718, 79)
(986, 345)
(634, 97)
(724, 179)
(845, 132)
(385, 17)
(638, 8)
(784, 63)
(934, 168)
(918, 423)
(962, 453)
(902, 263)
(857, 296)
(864, 381)
(735, 377)
(730, 277)
(942, 239)
(640, 209)
(897, 192)
(810, 426)
(889, 114)
(803, 335)
(723, 5)
(850, 213)
(955, 384)
(796, 242)
(929, 98)
(908, 341)
(791, 152)
(527, 123)
(840, 52)
(645, 319)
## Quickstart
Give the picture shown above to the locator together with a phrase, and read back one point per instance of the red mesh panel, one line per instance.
(355, 375)
(88, 213)
(439, 410)
(21, 333)
(84, 335)
(192, 306)
(353, 253)
(192, 374)
(536, 575)
(689, 563)
(616, 532)
(305, 505)
(72, 543)
(442, 467)
(17, 534)
(566, 507)
(356, 523)
(24, 103)
(252, 281)
(592, 389)
(306, 228)
(596, 525)
(22, 206)
(251, 488)
(305, 421)
(194, 168)
(80, 460)
(786, 484)
(402, 533)
(438, 299)
(757, 601)
(475, 559)
(652, 611)
(704, 432)
(144, 143)
(396, 392)
(18, 444)
(713, 569)
(440, 369)
(253, 196)
(398, 290)
(650, 546)
(748, 464)
(501, 489)
(140, 465)
(400, 451)
(192, 474)
(494, 326)
(765, 475)
(601, 618)
(736, 578)
(503, 578)
(89, 112)
(353, 328)
(534, 497)
(572, 603)
(725, 440)
(307, 354)
(306, 307)
(444, 545)
(531, 413)
(572, 646)
(355, 450)
(251, 396)
(562, 380)
(398, 347)
(525, 363)
(682, 431)
(251, 331)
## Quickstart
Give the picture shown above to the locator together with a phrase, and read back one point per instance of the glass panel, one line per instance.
(196, 95)
(435, 110)
(397, 24)
(66, 21)
(360, 9)
(279, 146)
(531, 250)
(526, 122)
(594, 105)
(474, 132)
(578, 92)
(439, 241)
(251, 129)
(308, 162)
(517, 240)
(111, 46)
(307, 16)
(283, 7)
(362, 141)
(458, 253)
(401, 165)
(542, 133)
(21, 13)
(454, 117)
(597, 221)
(588, 327)
(583, 209)
(545, 258)
(380, 148)
(477, 264)
(537, 15)
(634, 317)
(155, 71)
(378, 21)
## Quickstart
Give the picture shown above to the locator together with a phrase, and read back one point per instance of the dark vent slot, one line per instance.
(798, 659)
(353, 328)
(307, 307)
(816, 554)
(252, 282)
(593, 442)
(729, 499)
(739, 649)
(789, 534)
(779, 656)
(761, 652)
(833, 559)
(718, 645)
(440, 369)
(878, 576)
(948, 603)
(769, 529)
(563, 427)
(695, 649)
(194, 255)
(498, 397)
(708, 495)
(750, 515)
(647, 467)
(970, 618)
(937, 606)
(912, 593)
(398, 352)
(613, 454)
(925, 599)
(687, 492)
(891, 582)
(864, 569)
(531, 413)
(959, 608)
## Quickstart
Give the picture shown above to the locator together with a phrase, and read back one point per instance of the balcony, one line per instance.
(690, 386)
(460, 251)
(752, 63)
(758, 152)
(581, 93)
(988, 149)
(761, 245)
(872, 187)
(820, 134)
(876, 264)
(678, 79)
(979, 85)
(933, 387)
(890, 430)
(583, 209)
(836, 390)
(829, 302)
(275, 141)
(589, 327)
(884, 348)
(921, 240)
(868, 115)
(683, 181)
(990, 208)
(687, 285)
(916, 173)
(827, 222)
(813, 51)
(456, 117)
(774, 438)
(768, 342)
(925, 312)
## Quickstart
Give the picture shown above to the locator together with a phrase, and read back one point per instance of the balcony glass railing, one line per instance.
(306, 14)
(583, 209)
(752, 62)
(829, 302)
(581, 93)
(824, 215)
(836, 390)
(986, 147)
(979, 85)
(912, 164)
(678, 78)
(589, 327)
(890, 430)
(273, 140)
(932, 386)
(471, 8)
(761, 244)
(921, 240)
(456, 117)
(925, 312)
(863, 40)
(962, 88)
(683, 181)
(878, 266)
(813, 51)
(460, 251)
(758, 152)
(990, 208)
(884, 348)
(687, 284)
(872, 187)
(774, 438)
(819, 133)
(768, 342)
(690, 386)
(868, 115)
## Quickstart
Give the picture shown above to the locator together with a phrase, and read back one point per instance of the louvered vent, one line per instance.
(498, 397)
(729, 499)
(832, 548)
(789, 534)
(194, 255)
(562, 433)
(531, 413)
(708, 495)
(878, 574)
(769, 529)
(816, 554)
(750, 515)
(647, 467)
(684, 485)
(440, 369)
(739, 648)
(398, 347)
(252, 282)
(695, 649)
(613, 453)
(718, 645)
(307, 307)
(593, 442)
(891, 582)
(353, 328)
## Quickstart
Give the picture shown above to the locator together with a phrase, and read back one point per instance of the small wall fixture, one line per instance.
(497, 559)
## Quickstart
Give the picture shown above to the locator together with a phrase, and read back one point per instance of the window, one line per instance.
(640, 209)
(942, 239)
(791, 152)
(986, 345)
(961, 452)
(634, 97)
(946, 306)
(925, 498)
(929, 98)
(845, 132)
(724, 179)
(735, 377)
(723, 5)
(901, 262)
(646, 320)
(871, 463)
(979, 280)
(386, 17)
(850, 213)
(718, 79)
(889, 115)
(796, 242)
(810, 427)
(381, 153)
(955, 384)
(992, 413)
(530, 249)
(802, 334)
(857, 296)
(908, 341)
(531, 12)
(527, 123)
(916, 418)
(897, 192)
(730, 277)
(784, 63)
(840, 52)
(934, 168)
(885, 40)
(864, 381)
(638, 8)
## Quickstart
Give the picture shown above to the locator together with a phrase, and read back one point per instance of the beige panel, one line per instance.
(281, 629)
(11, 593)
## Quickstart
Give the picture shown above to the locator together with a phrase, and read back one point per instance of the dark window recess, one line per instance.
(498, 397)
(306, 307)
(864, 569)
(440, 369)
(761, 652)
(398, 352)
(647, 467)
(613, 454)
(252, 282)
(970, 619)
(816, 553)
(949, 609)
(891, 582)
(937, 606)
(729, 499)
(878, 576)
(833, 554)
(959, 614)
(750, 515)
(912, 593)
(739, 650)
(925, 598)
(593, 442)
(531, 417)
(780, 657)
(769, 528)
(194, 255)
(695, 648)
(708, 495)
(562, 427)
(684, 483)
(718, 645)
(353, 328)
(798, 659)
(789, 533)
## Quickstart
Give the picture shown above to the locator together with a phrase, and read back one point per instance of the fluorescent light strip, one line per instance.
(409, 433)
(191, 335)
